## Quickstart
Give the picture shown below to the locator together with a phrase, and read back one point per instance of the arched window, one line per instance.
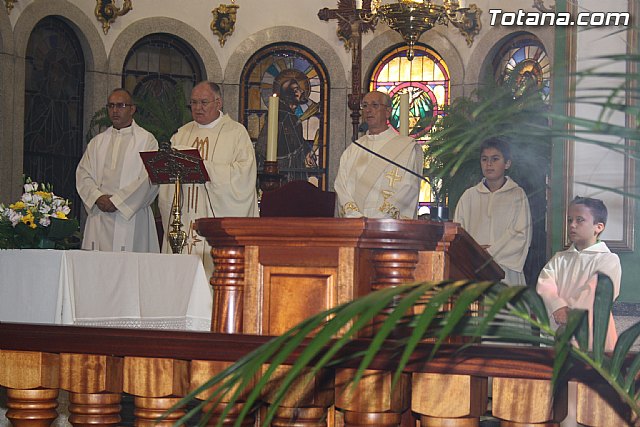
(160, 70)
(522, 63)
(426, 79)
(300, 80)
(54, 92)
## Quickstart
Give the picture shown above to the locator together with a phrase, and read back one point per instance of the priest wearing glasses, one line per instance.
(228, 154)
(376, 174)
(114, 186)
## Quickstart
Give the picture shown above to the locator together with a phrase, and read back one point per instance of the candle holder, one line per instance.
(270, 178)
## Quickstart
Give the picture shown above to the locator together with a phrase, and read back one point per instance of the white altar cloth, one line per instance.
(104, 289)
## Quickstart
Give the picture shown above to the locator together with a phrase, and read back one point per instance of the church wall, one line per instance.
(6, 106)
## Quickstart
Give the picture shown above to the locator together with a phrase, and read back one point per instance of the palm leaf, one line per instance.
(601, 312)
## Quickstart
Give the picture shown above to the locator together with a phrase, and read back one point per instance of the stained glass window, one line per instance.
(54, 92)
(523, 63)
(300, 80)
(426, 79)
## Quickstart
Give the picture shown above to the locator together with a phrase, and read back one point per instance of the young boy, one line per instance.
(496, 212)
(569, 279)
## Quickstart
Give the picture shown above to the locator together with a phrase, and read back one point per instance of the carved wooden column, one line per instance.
(528, 402)
(157, 385)
(201, 371)
(32, 381)
(448, 400)
(94, 383)
(32, 408)
(307, 400)
(392, 268)
(599, 405)
(228, 289)
(372, 402)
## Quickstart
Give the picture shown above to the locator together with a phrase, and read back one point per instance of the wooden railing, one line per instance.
(96, 366)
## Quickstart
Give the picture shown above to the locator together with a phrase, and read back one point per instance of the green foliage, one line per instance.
(163, 115)
(453, 154)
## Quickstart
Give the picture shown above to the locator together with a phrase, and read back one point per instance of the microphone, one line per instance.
(363, 127)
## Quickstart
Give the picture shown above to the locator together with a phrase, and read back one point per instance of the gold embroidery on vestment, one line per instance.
(388, 208)
(393, 176)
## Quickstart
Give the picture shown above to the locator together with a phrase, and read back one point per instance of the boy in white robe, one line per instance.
(229, 158)
(496, 213)
(114, 186)
(569, 279)
(373, 187)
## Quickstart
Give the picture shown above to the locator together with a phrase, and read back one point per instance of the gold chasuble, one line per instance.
(230, 160)
(369, 186)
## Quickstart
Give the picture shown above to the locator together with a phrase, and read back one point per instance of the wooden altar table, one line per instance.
(109, 289)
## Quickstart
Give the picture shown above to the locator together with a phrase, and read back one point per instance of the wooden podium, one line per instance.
(272, 273)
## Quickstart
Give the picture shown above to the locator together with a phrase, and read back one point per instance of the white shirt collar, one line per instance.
(212, 124)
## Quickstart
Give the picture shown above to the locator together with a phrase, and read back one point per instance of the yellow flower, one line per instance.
(44, 194)
(29, 220)
(17, 205)
(61, 215)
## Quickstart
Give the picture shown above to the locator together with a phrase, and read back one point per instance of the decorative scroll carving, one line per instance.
(224, 21)
(9, 4)
(106, 11)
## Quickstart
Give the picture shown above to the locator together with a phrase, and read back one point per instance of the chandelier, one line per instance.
(411, 18)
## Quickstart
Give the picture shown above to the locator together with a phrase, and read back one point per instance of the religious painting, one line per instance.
(299, 80)
(523, 65)
(426, 79)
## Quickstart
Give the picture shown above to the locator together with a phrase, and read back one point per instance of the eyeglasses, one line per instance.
(373, 105)
(117, 105)
(204, 103)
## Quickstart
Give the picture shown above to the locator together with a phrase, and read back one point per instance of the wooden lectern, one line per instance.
(272, 273)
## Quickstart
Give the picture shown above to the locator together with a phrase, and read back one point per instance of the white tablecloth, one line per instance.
(106, 289)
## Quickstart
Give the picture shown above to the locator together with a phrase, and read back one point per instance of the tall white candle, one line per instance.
(272, 129)
(359, 4)
(404, 114)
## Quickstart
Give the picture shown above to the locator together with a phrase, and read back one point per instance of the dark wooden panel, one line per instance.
(300, 256)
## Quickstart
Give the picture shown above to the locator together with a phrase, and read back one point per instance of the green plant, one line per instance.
(453, 155)
(163, 114)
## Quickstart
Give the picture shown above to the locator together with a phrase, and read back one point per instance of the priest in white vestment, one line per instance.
(230, 160)
(114, 186)
(372, 186)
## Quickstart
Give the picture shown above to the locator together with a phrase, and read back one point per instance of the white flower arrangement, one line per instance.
(40, 219)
